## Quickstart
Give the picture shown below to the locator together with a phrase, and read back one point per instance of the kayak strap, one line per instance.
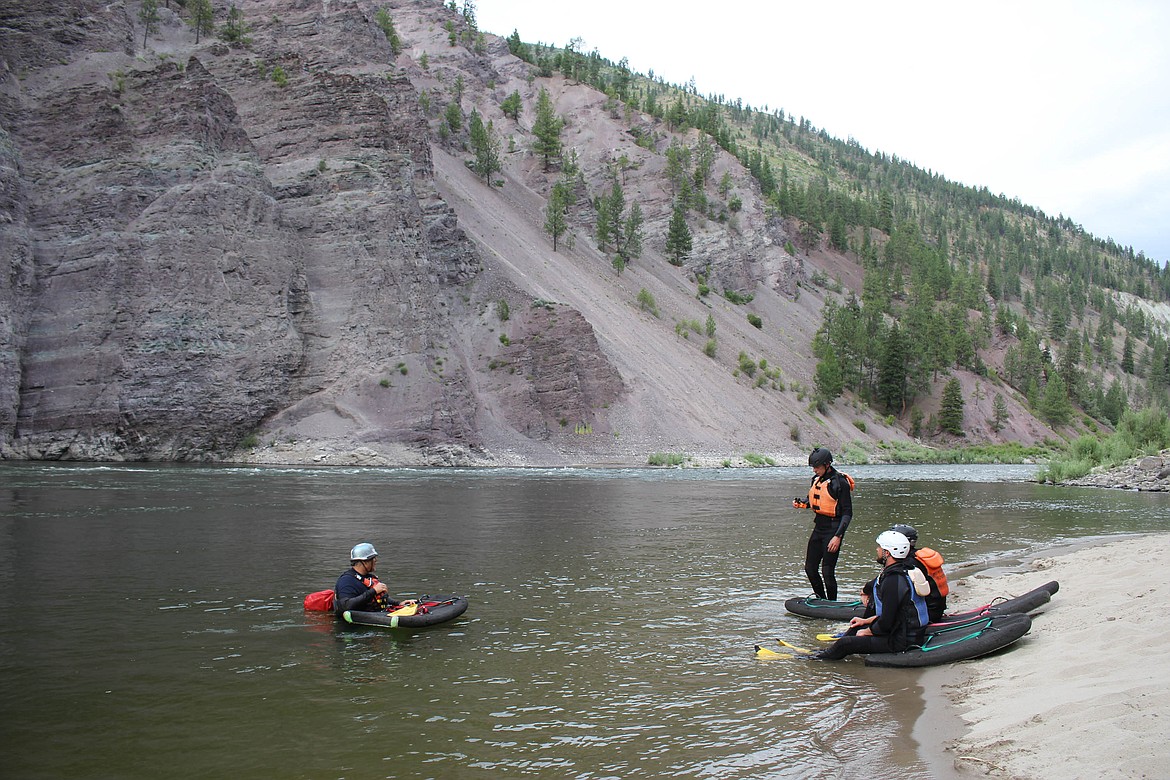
(930, 643)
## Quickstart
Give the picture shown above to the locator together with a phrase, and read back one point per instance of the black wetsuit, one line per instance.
(819, 564)
(900, 622)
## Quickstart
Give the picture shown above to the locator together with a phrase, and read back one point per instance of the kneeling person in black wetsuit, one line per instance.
(359, 589)
(900, 613)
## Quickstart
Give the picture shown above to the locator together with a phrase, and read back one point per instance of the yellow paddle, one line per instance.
(764, 653)
(408, 608)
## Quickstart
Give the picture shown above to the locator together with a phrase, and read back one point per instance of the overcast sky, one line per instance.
(1062, 104)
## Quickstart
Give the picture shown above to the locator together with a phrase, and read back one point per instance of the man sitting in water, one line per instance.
(359, 590)
(900, 613)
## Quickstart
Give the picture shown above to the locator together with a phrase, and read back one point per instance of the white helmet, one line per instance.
(363, 552)
(895, 543)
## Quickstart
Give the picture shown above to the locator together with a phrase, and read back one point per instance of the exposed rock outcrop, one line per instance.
(1150, 473)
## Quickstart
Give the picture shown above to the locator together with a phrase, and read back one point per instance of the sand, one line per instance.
(1087, 692)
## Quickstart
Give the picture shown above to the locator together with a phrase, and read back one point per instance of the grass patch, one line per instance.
(667, 459)
(1010, 452)
(758, 460)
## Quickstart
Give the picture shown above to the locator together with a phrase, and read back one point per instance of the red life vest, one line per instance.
(818, 495)
(933, 561)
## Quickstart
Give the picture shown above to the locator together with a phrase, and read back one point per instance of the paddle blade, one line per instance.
(765, 654)
(794, 648)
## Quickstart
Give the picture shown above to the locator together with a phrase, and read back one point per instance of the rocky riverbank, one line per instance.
(1149, 473)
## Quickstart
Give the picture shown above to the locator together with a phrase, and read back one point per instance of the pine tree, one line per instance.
(1127, 355)
(555, 218)
(828, 379)
(148, 15)
(486, 147)
(999, 412)
(950, 417)
(1055, 407)
(547, 129)
(512, 105)
(631, 243)
(202, 18)
(678, 237)
(235, 29)
(382, 17)
(891, 379)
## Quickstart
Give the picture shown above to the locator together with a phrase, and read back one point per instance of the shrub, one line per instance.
(746, 364)
(755, 320)
(710, 347)
(646, 302)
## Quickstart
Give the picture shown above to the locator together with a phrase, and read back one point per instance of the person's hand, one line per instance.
(855, 622)
(410, 603)
(865, 632)
(799, 504)
(380, 588)
(834, 544)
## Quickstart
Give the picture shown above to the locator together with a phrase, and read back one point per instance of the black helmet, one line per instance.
(907, 531)
(820, 457)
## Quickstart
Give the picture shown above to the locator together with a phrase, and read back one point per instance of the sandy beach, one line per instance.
(1086, 694)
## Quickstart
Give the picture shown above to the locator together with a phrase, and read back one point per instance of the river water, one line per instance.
(151, 619)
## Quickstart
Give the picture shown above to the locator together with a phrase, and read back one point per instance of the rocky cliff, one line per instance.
(268, 252)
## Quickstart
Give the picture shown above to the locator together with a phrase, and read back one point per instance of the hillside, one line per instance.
(275, 251)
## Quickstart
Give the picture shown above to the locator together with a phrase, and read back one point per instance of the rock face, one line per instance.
(191, 250)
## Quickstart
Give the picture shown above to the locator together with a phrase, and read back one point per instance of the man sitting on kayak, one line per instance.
(900, 613)
(359, 590)
(930, 563)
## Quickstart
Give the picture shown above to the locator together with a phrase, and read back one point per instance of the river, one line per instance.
(151, 619)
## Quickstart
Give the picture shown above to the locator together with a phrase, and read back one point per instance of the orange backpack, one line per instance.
(934, 567)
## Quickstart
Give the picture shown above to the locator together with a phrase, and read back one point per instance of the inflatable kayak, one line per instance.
(430, 611)
(812, 607)
(949, 642)
(944, 643)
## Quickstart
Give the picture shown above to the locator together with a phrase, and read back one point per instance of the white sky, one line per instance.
(1064, 104)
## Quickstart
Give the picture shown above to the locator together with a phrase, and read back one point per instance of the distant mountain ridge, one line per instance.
(277, 252)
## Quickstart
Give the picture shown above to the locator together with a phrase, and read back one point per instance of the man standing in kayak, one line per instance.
(830, 498)
(359, 590)
(900, 612)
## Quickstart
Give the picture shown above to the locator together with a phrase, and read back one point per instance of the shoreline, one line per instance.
(1083, 694)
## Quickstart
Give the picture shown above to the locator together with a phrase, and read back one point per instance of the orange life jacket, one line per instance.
(933, 561)
(818, 495)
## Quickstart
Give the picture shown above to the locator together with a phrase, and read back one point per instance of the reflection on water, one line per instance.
(151, 619)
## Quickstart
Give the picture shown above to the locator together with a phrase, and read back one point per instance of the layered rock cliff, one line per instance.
(269, 252)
